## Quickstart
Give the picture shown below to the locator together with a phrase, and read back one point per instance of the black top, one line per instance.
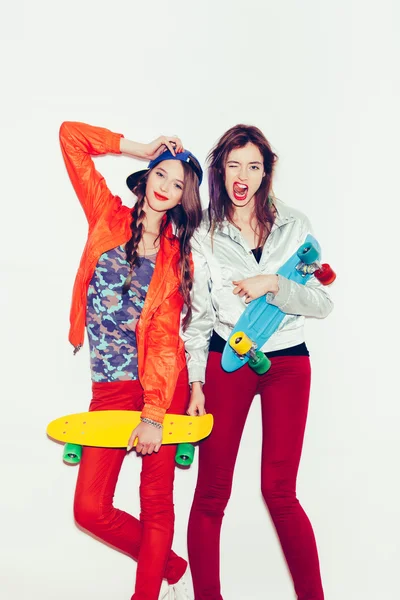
(257, 253)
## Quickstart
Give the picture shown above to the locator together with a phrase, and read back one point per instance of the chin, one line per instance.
(240, 203)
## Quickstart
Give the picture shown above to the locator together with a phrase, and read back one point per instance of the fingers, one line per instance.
(146, 448)
(239, 289)
(131, 441)
(173, 144)
(242, 291)
(196, 410)
(178, 142)
(192, 410)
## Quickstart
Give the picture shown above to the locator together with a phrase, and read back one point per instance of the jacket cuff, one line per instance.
(282, 296)
(155, 413)
(197, 373)
(113, 142)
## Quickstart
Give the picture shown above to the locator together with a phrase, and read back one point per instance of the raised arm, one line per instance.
(79, 142)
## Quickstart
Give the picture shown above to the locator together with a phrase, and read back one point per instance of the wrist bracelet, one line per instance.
(151, 422)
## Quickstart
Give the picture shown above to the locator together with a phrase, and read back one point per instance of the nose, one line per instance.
(164, 186)
(243, 174)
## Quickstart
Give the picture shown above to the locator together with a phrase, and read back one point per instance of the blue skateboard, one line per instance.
(261, 319)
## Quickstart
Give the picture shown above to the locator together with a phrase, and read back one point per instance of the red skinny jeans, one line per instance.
(284, 394)
(148, 540)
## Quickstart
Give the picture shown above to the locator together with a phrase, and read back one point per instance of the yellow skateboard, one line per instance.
(112, 429)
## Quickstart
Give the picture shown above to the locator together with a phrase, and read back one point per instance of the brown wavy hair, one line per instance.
(220, 206)
(185, 216)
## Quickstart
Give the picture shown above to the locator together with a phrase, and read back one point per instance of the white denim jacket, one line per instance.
(228, 257)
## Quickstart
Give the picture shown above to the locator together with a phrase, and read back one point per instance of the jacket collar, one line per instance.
(284, 215)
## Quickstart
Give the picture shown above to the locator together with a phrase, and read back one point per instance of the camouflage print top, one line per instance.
(111, 317)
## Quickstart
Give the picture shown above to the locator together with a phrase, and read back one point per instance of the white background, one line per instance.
(320, 79)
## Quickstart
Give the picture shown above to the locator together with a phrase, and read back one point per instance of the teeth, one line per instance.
(241, 186)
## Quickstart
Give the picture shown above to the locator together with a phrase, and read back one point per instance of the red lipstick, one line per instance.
(160, 197)
(240, 191)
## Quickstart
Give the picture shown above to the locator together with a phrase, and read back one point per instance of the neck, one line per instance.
(244, 214)
(153, 219)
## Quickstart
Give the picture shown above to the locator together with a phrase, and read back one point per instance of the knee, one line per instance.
(88, 513)
(212, 499)
(278, 492)
(157, 506)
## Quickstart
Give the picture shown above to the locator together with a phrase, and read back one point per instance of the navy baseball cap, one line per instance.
(185, 157)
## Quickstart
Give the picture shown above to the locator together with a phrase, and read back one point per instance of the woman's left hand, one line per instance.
(254, 287)
(149, 438)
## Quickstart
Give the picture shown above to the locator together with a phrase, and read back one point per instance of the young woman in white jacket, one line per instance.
(237, 251)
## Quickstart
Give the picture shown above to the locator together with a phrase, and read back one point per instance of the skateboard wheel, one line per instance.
(308, 253)
(240, 343)
(72, 454)
(326, 275)
(184, 454)
(260, 363)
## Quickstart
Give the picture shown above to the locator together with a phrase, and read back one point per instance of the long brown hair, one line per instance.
(185, 216)
(220, 206)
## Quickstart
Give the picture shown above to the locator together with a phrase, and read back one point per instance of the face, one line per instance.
(244, 170)
(164, 187)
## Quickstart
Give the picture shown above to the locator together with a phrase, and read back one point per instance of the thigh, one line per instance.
(98, 475)
(158, 468)
(99, 467)
(284, 394)
(228, 398)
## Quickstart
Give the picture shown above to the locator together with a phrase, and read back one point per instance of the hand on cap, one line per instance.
(163, 143)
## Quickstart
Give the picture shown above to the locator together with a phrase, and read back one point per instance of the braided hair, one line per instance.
(132, 245)
(185, 216)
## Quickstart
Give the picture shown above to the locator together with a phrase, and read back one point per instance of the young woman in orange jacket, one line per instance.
(133, 280)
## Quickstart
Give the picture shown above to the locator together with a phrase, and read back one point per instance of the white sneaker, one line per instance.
(182, 589)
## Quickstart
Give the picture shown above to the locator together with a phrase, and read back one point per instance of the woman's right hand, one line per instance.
(162, 143)
(153, 149)
(197, 400)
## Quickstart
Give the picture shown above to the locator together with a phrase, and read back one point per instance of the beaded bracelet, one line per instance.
(151, 422)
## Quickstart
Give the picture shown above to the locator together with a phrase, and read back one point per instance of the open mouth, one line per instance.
(240, 191)
(160, 197)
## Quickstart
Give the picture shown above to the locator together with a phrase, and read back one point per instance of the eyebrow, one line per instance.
(253, 162)
(161, 169)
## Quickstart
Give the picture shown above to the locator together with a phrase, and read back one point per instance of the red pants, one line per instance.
(284, 394)
(149, 539)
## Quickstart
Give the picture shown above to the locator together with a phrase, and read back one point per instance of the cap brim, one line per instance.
(133, 179)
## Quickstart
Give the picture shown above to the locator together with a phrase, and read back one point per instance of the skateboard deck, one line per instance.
(112, 428)
(260, 319)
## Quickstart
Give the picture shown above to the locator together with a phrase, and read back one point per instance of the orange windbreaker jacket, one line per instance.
(160, 349)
